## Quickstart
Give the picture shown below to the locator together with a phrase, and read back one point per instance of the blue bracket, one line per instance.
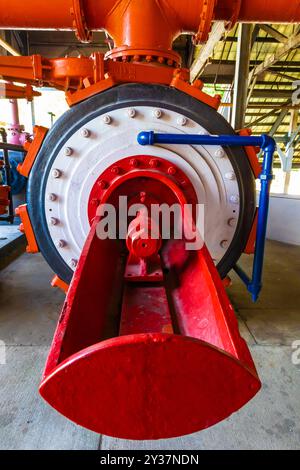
(268, 146)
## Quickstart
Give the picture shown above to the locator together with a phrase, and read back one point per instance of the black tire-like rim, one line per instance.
(131, 95)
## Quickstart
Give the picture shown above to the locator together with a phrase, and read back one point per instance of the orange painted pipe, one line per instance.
(55, 14)
(143, 26)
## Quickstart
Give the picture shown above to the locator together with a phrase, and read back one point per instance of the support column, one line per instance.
(241, 76)
(290, 149)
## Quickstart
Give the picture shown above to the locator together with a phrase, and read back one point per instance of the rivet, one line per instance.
(56, 173)
(219, 153)
(68, 151)
(230, 175)
(106, 119)
(73, 263)
(172, 170)
(85, 133)
(157, 113)
(224, 243)
(231, 222)
(60, 243)
(234, 199)
(52, 197)
(154, 163)
(182, 121)
(131, 112)
(134, 162)
(53, 221)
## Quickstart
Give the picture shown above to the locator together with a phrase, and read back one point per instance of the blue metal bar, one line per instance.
(151, 138)
(263, 209)
(268, 145)
(242, 275)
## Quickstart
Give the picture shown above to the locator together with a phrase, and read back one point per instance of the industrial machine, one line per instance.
(12, 140)
(147, 345)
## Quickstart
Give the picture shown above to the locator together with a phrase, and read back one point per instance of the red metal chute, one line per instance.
(147, 345)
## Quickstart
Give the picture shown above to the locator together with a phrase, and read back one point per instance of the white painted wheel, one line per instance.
(102, 130)
(111, 137)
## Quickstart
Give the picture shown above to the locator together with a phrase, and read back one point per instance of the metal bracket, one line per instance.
(26, 227)
(32, 149)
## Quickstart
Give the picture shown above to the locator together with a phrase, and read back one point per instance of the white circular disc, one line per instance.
(113, 136)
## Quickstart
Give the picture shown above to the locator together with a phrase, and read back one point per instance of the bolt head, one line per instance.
(116, 170)
(230, 175)
(68, 151)
(220, 153)
(172, 170)
(60, 243)
(73, 263)
(94, 202)
(157, 113)
(231, 222)
(56, 173)
(134, 162)
(182, 121)
(52, 197)
(131, 112)
(102, 184)
(234, 199)
(224, 243)
(154, 163)
(107, 119)
(85, 133)
(53, 221)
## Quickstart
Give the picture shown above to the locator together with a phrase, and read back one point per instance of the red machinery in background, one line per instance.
(147, 345)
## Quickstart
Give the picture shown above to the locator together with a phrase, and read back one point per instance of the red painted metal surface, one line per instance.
(152, 359)
(143, 179)
(4, 198)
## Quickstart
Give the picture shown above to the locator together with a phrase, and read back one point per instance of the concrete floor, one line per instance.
(12, 242)
(29, 310)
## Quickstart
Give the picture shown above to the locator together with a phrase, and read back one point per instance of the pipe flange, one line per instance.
(128, 54)
(82, 32)
(205, 21)
(236, 5)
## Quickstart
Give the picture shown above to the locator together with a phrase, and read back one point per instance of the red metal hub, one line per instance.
(143, 179)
